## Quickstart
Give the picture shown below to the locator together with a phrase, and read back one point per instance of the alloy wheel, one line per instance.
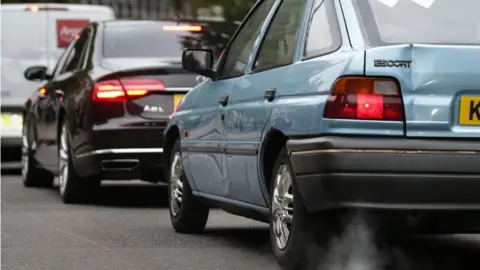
(63, 161)
(176, 184)
(282, 206)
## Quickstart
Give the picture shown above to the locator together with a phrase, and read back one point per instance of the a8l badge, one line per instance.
(152, 109)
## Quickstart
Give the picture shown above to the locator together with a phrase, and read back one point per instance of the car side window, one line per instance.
(74, 59)
(59, 65)
(280, 41)
(323, 35)
(240, 49)
(86, 47)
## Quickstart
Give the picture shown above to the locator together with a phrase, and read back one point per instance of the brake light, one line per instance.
(191, 28)
(120, 90)
(365, 98)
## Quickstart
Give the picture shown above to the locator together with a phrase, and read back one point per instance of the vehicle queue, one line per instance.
(289, 122)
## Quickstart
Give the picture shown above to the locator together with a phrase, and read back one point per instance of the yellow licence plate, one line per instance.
(469, 110)
(176, 99)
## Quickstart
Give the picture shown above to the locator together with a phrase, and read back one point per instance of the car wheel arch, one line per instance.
(172, 134)
(60, 119)
(273, 143)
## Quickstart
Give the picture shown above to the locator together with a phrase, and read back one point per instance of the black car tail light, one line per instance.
(123, 89)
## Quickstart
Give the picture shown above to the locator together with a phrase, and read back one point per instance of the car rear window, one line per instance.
(164, 39)
(420, 21)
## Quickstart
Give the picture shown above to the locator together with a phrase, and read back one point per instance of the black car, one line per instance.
(101, 113)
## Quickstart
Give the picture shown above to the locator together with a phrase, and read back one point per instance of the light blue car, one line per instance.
(318, 106)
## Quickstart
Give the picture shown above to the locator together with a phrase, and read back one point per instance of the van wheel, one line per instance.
(73, 188)
(32, 176)
(187, 213)
(294, 242)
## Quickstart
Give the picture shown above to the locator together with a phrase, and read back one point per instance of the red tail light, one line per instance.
(365, 98)
(120, 90)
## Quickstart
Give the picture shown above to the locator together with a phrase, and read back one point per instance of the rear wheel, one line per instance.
(187, 213)
(293, 239)
(72, 187)
(32, 176)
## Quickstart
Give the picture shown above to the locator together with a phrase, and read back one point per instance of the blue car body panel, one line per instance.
(225, 145)
(431, 88)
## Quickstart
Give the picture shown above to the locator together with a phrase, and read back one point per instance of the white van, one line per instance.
(34, 35)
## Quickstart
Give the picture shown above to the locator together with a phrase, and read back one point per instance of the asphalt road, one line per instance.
(129, 228)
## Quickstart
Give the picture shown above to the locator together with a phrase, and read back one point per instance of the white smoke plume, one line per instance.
(355, 248)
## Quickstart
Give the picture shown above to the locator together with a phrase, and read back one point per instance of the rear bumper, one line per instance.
(122, 164)
(387, 173)
(120, 154)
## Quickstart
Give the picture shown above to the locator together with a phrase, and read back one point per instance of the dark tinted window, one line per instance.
(420, 21)
(74, 59)
(280, 42)
(323, 35)
(241, 49)
(58, 66)
(164, 39)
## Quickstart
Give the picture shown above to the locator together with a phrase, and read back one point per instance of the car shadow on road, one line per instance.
(132, 196)
(252, 238)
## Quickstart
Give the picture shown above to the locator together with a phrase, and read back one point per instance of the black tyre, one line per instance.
(73, 188)
(32, 175)
(294, 242)
(187, 213)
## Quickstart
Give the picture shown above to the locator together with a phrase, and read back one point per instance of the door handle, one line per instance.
(270, 94)
(223, 100)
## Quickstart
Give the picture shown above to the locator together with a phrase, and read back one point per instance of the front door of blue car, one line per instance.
(206, 139)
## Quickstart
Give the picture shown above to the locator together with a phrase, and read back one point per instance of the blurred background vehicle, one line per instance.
(34, 35)
(44, 52)
(102, 111)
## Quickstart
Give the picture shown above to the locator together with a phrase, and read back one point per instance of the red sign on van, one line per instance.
(67, 29)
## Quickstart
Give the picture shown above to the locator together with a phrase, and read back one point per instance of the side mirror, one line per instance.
(36, 73)
(199, 61)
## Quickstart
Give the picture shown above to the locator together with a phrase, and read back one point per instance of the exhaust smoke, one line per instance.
(355, 248)
(360, 246)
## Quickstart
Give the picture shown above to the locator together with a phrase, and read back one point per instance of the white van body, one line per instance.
(31, 35)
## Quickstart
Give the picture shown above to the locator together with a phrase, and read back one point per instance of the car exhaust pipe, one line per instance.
(119, 164)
